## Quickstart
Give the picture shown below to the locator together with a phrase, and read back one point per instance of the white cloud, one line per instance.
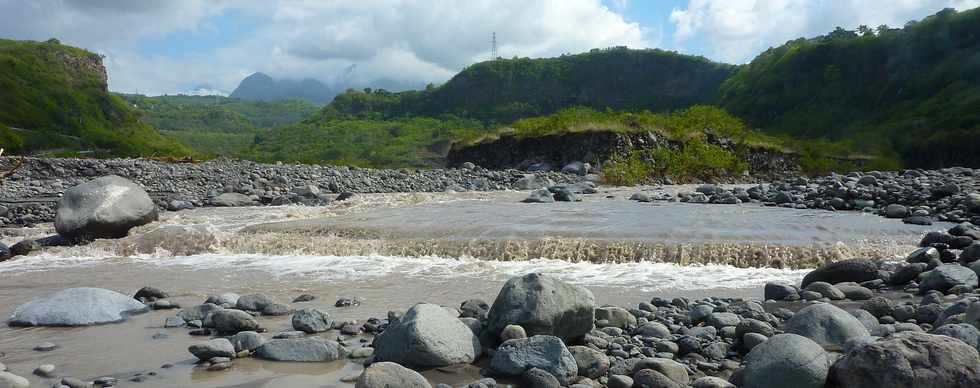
(401, 40)
(737, 30)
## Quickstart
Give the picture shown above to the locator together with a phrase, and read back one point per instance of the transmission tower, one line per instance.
(493, 47)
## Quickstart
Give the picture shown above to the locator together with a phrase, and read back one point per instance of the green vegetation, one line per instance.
(53, 98)
(215, 125)
(911, 93)
(405, 142)
(693, 160)
(501, 91)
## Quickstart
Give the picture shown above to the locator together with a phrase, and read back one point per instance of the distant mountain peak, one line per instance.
(262, 87)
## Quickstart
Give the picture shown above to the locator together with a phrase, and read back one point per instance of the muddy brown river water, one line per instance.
(395, 250)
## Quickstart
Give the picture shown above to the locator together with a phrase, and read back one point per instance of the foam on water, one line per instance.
(642, 276)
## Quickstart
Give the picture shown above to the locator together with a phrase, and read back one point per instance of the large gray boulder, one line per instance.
(591, 363)
(613, 316)
(854, 270)
(427, 336)
(10, 380)
(390, 375)
(962, 331)
(909, 359)
(543, 305)
(77, 307)
(218, 347)
(228, 321)
(516, 356)
(309, 349)
(106, 207)
(786, 360)
(947, 276)
(312, 321)
(826, 325)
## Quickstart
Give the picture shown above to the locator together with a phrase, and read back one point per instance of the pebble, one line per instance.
(45, 347)
(45, 370)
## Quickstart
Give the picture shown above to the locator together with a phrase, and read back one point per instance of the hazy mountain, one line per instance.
(262, 87)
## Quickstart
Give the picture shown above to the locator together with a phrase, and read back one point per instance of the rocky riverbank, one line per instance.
(31, 194)
(920, 316)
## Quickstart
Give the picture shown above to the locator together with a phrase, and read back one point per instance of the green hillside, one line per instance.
(53, 98)
(504, 90)
(912, 92)
(215, 125)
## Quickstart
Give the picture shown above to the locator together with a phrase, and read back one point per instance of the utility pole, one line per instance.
(493, 47)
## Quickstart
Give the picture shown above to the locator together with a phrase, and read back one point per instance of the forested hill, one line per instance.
(504, 90)
(54, 98)
(913, 90)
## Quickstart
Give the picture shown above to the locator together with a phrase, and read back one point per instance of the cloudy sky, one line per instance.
(172, 46)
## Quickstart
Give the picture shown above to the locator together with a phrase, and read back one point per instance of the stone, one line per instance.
(228, 321)
(77, 307)
(107, 207)
(534, 182)
(178, 205)
(855, 292)
(229, 299)
(648, 378)
(896, 211)
(577, 168)
(878, 306)
(854, 270)
(826, 290)
(749, 325)
(907, 273)
(45, 370)
(540, 196)
(539, 378)
(304, 298)
(543, 305)
(620, 381)
(231, 200)
(917, 220)
(512, 332)
(474, 308)
(923, 255)
(10, 380)
(653, 329)
(909, 359)
(591, 363)
(300, 350)
(427, 336)
(218, 347)
(947, 276)
(869, 321)
(549, 353)
(246, 341)
(615, 317)
(971, 253)
(751, 340)
(674, 370)
(201, 312)
(786, 360)
(312, 321)
(967, 333)
(390, 375)
(45, 347)
(720, 320)
(778, 291)
(275, 309)
(253, 302)
(826, 325)
(711, 382)
(149, 294)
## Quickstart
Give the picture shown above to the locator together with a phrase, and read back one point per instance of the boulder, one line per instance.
(909, 359)
(577, 168)
(855, 291)
(543, 305)
(615, 317)
(534, 182)
(310, 349)
(896, 211)
(228, 321)
(514, 357)
(961, 331)
(720, 320)
(540, 196)
(540, 378)
(201, 312)
(854, 270)
(218, 347)
(653, 329)
(786, 360)
(390, 375)
(923, 255)
(591, 363)
(711, 382)
(947, 276)
(312, 321)
(253, 302)
(907, 273)
(970, 253)
(246, 340)
(649, 378)
(778, 291)
(826, 290)
(826, 325)
(427, 336)
(231, 200)
(10, 380)
(106, 207)
(674, 370)
(77, 307)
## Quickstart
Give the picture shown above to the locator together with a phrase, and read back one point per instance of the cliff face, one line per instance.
(596, 147)
(79, 67)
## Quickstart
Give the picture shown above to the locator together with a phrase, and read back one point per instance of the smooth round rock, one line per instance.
(77, 307)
